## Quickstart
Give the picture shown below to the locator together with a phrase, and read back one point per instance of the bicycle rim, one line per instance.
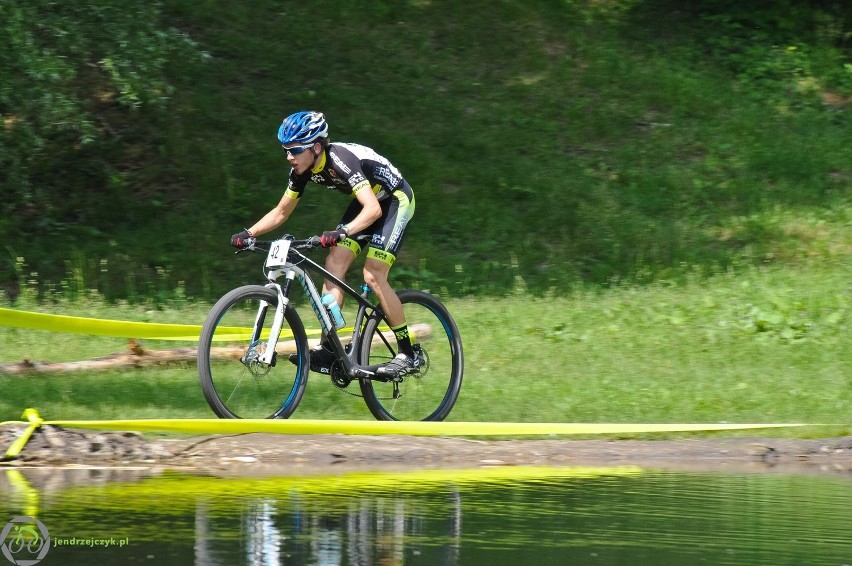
(234, 382)
(429, 394)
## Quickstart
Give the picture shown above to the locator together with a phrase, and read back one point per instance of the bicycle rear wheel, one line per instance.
(430, 393)
(235, 383)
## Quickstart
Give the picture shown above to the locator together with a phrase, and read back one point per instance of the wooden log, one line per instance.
(138, 357)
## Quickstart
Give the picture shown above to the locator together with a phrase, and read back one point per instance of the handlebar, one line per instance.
(306, 244)
(256, 245)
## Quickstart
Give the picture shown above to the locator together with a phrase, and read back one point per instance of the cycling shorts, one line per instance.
(387, 232)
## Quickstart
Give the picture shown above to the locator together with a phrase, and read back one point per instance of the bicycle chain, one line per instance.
(337, 381)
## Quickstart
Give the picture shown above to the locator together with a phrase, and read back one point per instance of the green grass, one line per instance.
(567, 139)
(762, 345)
(650, 234)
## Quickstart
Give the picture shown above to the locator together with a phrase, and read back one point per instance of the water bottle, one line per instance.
(333, 309)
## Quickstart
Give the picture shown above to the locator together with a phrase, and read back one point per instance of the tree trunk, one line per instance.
(139, 357)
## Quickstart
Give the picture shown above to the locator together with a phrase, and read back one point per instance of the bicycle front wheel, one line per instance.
(235, 382)
(430, 393)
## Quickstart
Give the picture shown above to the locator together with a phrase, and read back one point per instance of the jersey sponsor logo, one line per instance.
(356, 179)
(331, 183)
(398, 230)
(388, 175)
(360, 187)
(377, 240)
(340, 163)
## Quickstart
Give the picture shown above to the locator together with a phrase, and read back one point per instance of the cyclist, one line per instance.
(382, 204)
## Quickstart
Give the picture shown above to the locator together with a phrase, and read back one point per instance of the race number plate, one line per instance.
(277, 256)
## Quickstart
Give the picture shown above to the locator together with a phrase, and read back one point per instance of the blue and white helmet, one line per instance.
(302, 128)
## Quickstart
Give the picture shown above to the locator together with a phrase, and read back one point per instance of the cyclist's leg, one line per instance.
(340, 257)
(384, 246)
(339, 260)
(376, 276)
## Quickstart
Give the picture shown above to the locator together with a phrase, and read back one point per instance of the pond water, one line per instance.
(491, 516)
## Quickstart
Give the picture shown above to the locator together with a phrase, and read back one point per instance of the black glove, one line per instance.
(332, 237)
(240, 241)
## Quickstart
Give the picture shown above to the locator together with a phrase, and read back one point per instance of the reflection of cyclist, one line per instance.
(382, 205)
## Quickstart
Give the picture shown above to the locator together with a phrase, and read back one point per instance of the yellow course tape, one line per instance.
(34, 421)
(408, 428)
(98, 327)
(118, 328)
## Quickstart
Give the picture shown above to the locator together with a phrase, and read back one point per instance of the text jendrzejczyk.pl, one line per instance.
(90, 542)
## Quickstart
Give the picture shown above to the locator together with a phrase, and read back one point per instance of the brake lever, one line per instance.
(251, 246)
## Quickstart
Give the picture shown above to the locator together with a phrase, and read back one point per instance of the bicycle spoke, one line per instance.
(234, 380)
(430, 392)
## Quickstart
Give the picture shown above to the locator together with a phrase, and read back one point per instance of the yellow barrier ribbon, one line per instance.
(121, 328)
(98, 327)
(34, 421)
(407, 428)
(372, 428)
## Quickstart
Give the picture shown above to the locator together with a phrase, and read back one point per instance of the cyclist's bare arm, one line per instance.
(275, 217)
(370, 212)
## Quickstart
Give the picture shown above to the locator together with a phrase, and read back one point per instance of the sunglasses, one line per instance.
(296, 150)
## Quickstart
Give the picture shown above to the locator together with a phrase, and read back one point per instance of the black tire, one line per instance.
(429, 394)
(237, 390)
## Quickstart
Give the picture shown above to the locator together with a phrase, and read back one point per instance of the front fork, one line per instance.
(269, 354)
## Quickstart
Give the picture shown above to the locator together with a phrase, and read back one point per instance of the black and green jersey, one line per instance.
(349, 168)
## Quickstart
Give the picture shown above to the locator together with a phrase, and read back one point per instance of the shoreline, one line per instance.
(255, 454)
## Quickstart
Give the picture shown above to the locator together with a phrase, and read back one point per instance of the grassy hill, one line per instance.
(555, 148)
(547, 142)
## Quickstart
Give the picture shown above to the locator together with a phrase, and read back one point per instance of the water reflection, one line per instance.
(496, 516)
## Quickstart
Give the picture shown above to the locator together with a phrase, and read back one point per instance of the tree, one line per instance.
(75, 79)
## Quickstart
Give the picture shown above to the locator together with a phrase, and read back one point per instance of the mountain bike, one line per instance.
(262, 370)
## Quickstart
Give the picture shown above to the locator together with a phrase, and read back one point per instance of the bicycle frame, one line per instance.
(292, 271)
(259, 385)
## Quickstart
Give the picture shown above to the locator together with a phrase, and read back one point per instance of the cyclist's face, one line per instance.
(301, 161)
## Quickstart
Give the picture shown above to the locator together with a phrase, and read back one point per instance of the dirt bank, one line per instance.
(267, 454)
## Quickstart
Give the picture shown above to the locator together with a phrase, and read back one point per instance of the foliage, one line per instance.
(548, 143)
(76, 82)
(786, 53)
